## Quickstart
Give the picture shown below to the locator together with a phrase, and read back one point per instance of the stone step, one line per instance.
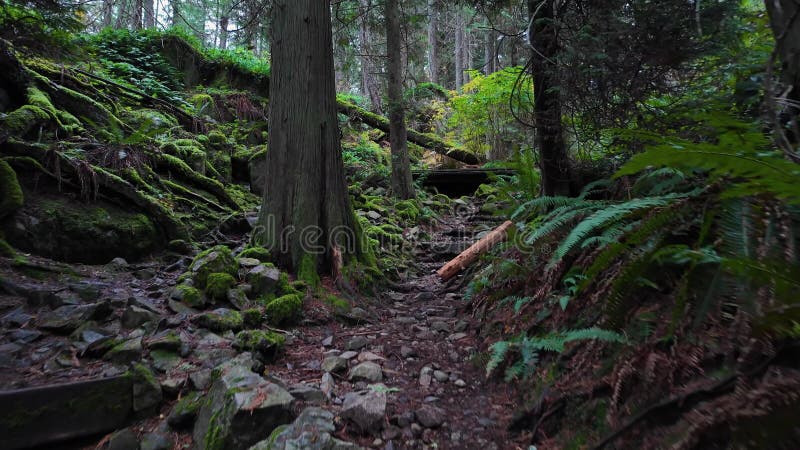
(49, 414)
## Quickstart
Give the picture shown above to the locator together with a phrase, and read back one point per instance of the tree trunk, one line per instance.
(306, 211)
(433, 41)
(122, 11)
(176, 12)
(223, 32)
(149, 14)
(491, 53)
(553, 159)
(401, 167)
(459, 49)
(136, 17)
(784, 17)
(369, 83)
(108, 13)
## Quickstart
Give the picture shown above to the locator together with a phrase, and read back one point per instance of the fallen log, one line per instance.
(468, 256)
(426, 140)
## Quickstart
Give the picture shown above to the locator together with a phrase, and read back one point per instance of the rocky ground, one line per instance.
(398, 370)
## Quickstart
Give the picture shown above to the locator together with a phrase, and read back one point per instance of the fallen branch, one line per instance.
(468, 256)
(428, 141)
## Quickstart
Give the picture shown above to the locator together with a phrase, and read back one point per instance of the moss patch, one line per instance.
(307, 271)
(189, 295)
(217, 259)
(218, 284)
(267, 343)
(11, 197)
(259, 253)
(284, 309)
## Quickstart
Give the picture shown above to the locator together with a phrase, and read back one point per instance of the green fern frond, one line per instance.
(607, 216)
(593, 186)
(499, 350)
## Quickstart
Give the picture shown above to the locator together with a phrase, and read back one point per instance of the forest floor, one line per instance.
(420, 333)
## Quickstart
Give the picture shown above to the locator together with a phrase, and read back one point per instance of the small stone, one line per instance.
(307, 393)
(164, 360)
(425, 376)
(377, 442)
(356, 343)
(135, 316)
(348, 355)
(328, 341)
(405, 419)
(374, 215)
(122, 440)
(416, 429)
(327, 384)
(369, 356)
(366, 371)
(201, 379)
(248, 262)
(263, 279)
(118, 263)
(405, 320)
(67, 319)
(430, 416)
(147, 393)
(334, 364)
(456, 336)
(126, 352)
(440, 326)
(460, 383)
(173, 385)
(155, 441)
(461, 326)
(220, 320)
(185, 411)
(238, 299)
(440, 376)
(407, 352)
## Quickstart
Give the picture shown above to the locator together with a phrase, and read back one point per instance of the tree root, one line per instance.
(181, 170)
(172, 227)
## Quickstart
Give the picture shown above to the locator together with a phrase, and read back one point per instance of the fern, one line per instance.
(498, 354)
(607, 216)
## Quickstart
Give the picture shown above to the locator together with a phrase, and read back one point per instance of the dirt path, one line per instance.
(424, 340)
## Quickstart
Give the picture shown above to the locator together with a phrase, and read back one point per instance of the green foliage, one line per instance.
(259, 253)
(528, 348)
(481, 113)
(11, 197)
(284, 309)
(218, 284)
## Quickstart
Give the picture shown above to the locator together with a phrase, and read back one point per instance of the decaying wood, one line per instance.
(477, 249)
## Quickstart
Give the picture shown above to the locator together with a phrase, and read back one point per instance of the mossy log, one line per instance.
(426, 140)
(171, 226)
(181, 170)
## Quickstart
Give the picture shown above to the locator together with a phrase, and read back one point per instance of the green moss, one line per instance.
(262, 341)
(338, 303)
(149, 121)
(307, 271)
(65, 120)
(190, 295)
(22, 119)
(253, 318)
(285, 287)
(11, 197)
(218, 284)
(220, 320)
(203, 103)
(217, 139)
(217, 259)
(259, 253)
(188, 405)
(284, 309)
(408, 210)
(5, 249)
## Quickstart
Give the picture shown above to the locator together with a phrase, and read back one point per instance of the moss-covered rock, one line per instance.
(188, 295)
(218, 284)
(266, 343)
(259, 253)
(220, 320)
(11, 197)
(184, 412)
(285, 309)
(217, 259)
(72, 231)
(253, 317)
(149, 121)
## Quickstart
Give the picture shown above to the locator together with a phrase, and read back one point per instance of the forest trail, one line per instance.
(414, 345)
(422, 336)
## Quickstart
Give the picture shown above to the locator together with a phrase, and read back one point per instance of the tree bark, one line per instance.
(223, 32)
(306, 211)
(433, 41)
(136, 17)
(459, 50)
(369, 83)
(149, 14)
(553, 159)
(108, 13)
(784, 17)
(402, 186)
(491, 52)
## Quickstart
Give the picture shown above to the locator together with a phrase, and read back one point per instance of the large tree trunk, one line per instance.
(369, 83)
(553, 159)
(401, 167)
(108, 13)
(433, 41)
(306, 211)
(784, 16)
(459, 50)
(223, 32)
(149, 14)
(136, 17)
(491, 52)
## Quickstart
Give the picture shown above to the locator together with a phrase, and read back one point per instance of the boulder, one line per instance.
(67, 319)
(365, 410)
(430, 416)
(264, 279)
(241, 409)
(147, 394)
(217, 259)
(184, 412)
(366, 371)
(266, 345)
(312, 430)
(134, 317)
(220, 320)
